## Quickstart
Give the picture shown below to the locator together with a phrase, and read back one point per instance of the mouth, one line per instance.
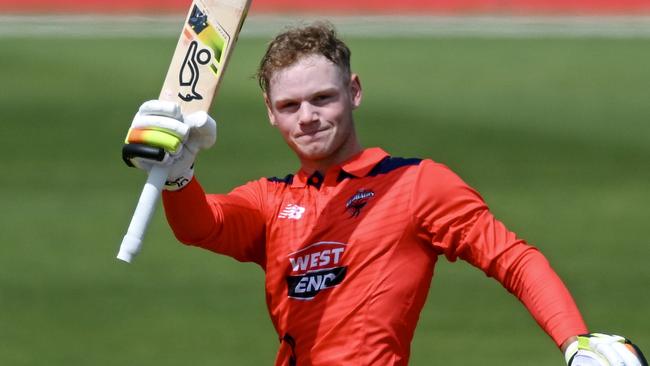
(311, 133)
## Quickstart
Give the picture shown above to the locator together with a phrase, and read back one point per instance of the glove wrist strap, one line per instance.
(570, 352)
(178, 183)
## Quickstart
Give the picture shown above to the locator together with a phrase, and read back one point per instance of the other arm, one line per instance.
(461, 226)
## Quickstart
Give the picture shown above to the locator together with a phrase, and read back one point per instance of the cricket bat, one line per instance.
(207, 40)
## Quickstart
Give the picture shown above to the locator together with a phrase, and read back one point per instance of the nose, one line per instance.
(307, 114)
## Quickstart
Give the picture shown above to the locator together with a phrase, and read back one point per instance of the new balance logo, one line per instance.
(293, 212)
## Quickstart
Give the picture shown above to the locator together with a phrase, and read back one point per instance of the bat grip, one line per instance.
(144, 211)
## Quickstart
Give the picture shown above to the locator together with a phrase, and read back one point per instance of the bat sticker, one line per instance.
(215, 41)
(189, 74)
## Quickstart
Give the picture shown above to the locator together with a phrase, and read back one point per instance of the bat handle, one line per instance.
(144, 211)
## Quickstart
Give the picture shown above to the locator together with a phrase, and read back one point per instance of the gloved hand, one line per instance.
(160, 134)
(597, 349)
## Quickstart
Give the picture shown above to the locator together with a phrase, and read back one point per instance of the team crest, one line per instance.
(358, 201)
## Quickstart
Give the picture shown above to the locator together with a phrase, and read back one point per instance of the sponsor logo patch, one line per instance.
(315, 268)
(292, 212)
(358, 201)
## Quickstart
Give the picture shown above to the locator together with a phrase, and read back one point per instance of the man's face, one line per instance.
(311, 103)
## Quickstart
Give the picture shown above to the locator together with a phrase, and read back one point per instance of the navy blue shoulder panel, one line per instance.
(286, 180)
(389, 163)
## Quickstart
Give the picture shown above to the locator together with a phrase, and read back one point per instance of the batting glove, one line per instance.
(160, 134)
(597, 349)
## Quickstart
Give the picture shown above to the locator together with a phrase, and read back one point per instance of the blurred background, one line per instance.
(541, 105)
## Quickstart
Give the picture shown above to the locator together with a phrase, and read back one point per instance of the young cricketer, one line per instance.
(350, 241)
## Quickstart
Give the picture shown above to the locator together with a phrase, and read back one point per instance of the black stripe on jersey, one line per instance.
(286, 180)
(387, 165)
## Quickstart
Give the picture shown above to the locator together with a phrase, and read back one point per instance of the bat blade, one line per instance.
(207, 40)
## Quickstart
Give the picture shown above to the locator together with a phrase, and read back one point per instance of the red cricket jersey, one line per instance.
(349, 257)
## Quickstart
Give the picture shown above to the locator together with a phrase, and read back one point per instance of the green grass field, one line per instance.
(553, 133)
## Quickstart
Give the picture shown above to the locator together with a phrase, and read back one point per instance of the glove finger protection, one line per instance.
(202, 135)
(160, 134)
(157, 131)
(203, 131)
(598, 349)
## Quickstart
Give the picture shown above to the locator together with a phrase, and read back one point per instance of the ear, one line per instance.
(356, 92)
(269, 110)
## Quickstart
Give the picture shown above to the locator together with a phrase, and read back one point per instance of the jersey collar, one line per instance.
(357, 166)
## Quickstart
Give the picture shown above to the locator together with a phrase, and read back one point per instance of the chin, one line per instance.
(313, 152)
(314, 155)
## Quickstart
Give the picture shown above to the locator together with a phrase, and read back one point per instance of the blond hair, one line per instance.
(286, 48)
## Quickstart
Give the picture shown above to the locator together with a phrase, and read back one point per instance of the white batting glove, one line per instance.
(160, 134)
(597, 349)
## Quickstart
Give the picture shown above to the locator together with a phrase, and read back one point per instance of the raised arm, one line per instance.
(231, 224)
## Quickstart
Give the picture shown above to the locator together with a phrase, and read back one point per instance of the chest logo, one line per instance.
(358, 201)
(315, 268)
(292, 212)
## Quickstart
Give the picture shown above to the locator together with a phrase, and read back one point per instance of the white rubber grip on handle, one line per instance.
(144, 211)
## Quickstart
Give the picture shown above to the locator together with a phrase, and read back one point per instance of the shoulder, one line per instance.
(426, 177)
(425, 168)
(439, 173)
(391, 163)
(437, 186)
(417, 170)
